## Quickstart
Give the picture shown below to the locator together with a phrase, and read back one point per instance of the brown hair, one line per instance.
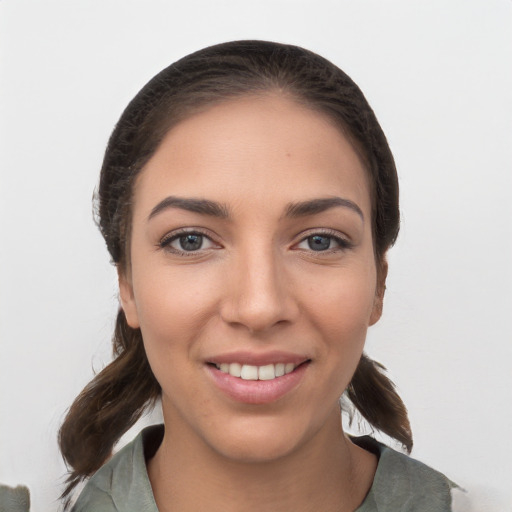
(114, 400)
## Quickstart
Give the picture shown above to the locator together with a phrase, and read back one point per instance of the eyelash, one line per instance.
(165, 243)
(343, 243)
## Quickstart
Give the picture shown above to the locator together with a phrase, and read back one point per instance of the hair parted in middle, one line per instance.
(113, 401)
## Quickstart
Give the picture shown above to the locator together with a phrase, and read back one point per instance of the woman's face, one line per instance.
(252, 276)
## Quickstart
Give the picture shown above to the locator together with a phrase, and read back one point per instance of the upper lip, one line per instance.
(258, 358)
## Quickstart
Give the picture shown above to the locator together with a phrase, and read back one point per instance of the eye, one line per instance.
(322, 242)
(186, 242)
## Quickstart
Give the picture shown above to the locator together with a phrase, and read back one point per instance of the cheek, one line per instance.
(173, 304)
(341, 313)
(173, 310)
(344, 302)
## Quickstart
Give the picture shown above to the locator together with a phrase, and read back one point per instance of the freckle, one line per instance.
(288, 155)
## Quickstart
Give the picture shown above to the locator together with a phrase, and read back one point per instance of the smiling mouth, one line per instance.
(251, 372)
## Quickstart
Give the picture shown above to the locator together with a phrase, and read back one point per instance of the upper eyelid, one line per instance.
(175, 233)
(334, 233)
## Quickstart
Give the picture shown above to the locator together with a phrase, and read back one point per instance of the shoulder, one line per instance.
(122, 484)
(406, 484)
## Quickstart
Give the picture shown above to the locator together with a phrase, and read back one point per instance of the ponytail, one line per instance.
(375, 397)
(108, 406)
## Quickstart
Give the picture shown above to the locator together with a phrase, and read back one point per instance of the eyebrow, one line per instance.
(202, 206)
(214, 209)
(314, 206)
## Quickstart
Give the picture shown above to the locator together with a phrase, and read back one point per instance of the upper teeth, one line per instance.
(250, 372)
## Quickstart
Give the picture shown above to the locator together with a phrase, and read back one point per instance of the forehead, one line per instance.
(266, 146)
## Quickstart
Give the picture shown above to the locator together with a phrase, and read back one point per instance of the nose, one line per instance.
(259, 293)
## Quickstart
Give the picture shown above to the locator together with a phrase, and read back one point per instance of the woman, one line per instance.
(247, 197)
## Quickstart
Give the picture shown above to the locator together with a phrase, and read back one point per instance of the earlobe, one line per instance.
(378, 301)
(127, 300)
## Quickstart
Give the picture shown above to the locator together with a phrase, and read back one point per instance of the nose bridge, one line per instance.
(259, 295)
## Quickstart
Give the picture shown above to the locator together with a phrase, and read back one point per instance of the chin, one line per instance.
(257, 441)
(255, 449)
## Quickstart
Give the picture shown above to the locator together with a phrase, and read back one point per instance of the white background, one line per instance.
(438, 74)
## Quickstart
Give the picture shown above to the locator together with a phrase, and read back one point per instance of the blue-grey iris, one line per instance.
(191, 242)
(319, 242)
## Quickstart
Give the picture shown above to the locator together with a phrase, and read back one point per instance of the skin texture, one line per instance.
(254, 285)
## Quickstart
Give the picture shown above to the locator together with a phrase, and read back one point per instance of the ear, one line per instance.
(382, 273)
(127, 299)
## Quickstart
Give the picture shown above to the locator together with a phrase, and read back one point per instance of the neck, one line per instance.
(327, 473)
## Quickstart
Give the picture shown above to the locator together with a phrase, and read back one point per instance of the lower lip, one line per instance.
(257, 391)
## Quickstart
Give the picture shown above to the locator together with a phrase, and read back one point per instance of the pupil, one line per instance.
(319, 243)
(191, 242)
